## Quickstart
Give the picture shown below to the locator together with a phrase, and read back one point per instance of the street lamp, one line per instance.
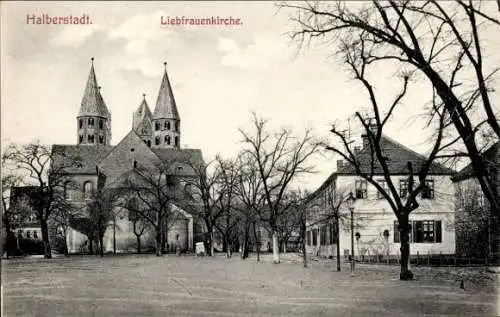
(350, 203)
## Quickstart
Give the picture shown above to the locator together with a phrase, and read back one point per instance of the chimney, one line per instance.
(340, 164)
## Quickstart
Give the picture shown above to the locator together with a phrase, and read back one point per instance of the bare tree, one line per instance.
(440, 40)
(280, 159)
(156, 188)
(139, 224)
(35, 159)
(250, 194)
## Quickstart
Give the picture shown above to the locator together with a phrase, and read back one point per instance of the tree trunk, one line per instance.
(276, 251)
(158, 241)
(304, 237)
(284, 246)
(47, 252)
(257, 241)
(138, 244)
(91, 246)
(114, 236)
(212, 241)
(101, 245)
(404, 231)
(337, 241)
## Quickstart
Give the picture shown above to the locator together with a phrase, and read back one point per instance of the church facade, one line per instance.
(93, 164)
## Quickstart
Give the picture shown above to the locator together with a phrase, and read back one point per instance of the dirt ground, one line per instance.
(144, 285)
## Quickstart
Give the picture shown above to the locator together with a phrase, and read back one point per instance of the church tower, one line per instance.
(141, 122)
(94, 119)
(166, 120)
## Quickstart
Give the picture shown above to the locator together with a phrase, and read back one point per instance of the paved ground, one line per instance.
(186, 286)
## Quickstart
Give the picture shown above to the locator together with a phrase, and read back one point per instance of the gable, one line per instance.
(121, 159)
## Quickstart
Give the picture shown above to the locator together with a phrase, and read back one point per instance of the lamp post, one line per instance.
(350, 202)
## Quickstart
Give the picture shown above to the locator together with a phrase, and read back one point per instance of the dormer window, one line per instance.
(91, 122)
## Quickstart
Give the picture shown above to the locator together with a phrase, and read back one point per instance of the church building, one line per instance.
(93, 163)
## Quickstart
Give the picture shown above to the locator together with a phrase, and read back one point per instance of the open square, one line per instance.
(145, 285)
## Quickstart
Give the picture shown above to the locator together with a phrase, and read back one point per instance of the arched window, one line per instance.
(80, 138)
(87, 190)
(157, 126)
(101, 124)
(91, 138)
(177, 127)
(167, 139)
(28, 234)
(67, 190)
(91, 122)
(101, 139)
(167, 124)
(35, 234)
(176, 141)
(80, 123)
(149, 143)
(157, 140)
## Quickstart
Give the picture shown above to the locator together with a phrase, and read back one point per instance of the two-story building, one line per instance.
(375, 224)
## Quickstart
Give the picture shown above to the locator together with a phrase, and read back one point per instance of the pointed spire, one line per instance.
(165, 104)
(142, 113)
(92, 102)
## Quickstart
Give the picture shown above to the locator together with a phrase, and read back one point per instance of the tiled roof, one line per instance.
(397, 156)
(78, 159)
(92, 102)
(142, 113)
(165, 104)
(491, 158)
(190, 156)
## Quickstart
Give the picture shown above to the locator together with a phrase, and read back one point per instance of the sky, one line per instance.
(219, 74)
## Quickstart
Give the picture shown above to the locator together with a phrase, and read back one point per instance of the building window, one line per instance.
(403, 188)
(322, 235)
(157, 140)
(135, 164)
(144, 130)
(177, 127)
(308, 236)
(67, 191)
(28, 234)
(80, 139)
(176, 141)
(91, 122)
(167, 139)
(101, 139)
(361, 189)
(421, 231)
(35, 234)
(167, 125)
(149, 143)
(80, 123)
(101, 124)
(91, 138)
(157, 126)
(87, 190)
(384, 186)
(428, 192)
(315, 236)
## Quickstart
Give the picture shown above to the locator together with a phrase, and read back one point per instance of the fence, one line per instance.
(424, 260)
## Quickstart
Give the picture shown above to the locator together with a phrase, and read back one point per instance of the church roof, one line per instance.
(92, 102)
(165, 104)
(78, 159)
(142, 113)
(190, 156)
(397, 156)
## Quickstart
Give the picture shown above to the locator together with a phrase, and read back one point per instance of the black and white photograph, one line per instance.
(250, 158)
